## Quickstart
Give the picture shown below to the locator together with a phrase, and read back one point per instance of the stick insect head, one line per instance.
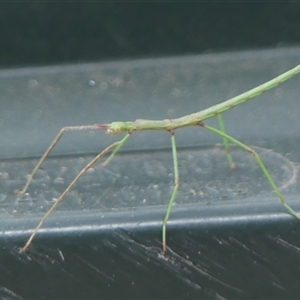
(116, 127)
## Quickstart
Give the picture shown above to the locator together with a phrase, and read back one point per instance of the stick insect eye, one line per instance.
(116, 127)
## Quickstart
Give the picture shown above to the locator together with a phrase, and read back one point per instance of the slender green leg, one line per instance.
(62, 196)
(259, 161)
(177, 181)
(225, 141)
(121, 143)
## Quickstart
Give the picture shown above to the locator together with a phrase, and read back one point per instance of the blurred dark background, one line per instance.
(45, 33)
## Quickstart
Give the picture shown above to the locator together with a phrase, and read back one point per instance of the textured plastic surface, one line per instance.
(228, 235)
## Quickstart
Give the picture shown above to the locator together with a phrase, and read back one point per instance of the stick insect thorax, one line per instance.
(198, 117)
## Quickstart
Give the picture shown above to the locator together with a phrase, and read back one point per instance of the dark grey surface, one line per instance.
(226, 226)
(34, 33)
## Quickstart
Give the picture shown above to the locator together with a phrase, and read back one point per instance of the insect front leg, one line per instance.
(50, 148)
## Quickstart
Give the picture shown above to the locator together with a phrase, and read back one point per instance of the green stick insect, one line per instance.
(195, 119)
